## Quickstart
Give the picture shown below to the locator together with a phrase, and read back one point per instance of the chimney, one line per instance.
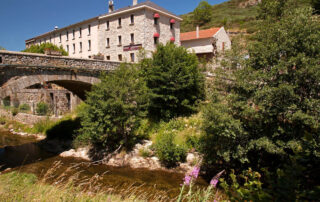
(197, 31)
(111, 6)
(135, 2)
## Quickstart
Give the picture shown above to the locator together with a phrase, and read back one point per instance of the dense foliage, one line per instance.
(175, 82)
(41, 48)
(203, 13)
(167, 151)
(270, 117)
(114, 108)
(316, 6)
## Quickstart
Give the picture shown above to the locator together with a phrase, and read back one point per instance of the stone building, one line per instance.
(117, 35)
(206, 43)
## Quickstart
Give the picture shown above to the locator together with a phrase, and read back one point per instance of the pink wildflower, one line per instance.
(215, 179)
(187, 180)
(195, 172)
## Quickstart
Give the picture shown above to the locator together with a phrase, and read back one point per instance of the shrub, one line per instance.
(14, 111)
(42, 126)
(114, 108)
(42, 47)
(42, 108)
(7, 102)
(24, 107)
(174, 80)
(167, 151)
(143, 152)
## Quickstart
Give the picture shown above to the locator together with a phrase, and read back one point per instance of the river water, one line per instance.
(23, 154)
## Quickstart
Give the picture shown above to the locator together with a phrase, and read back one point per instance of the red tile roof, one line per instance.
(203, 34)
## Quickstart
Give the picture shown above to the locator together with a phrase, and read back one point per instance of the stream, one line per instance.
(23, 154)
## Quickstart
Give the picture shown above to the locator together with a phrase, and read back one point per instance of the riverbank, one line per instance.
(141, 156)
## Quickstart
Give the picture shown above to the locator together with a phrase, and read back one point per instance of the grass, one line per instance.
(16, 186)
(68, 185)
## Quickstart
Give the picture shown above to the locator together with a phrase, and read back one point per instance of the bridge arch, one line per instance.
(77, 84)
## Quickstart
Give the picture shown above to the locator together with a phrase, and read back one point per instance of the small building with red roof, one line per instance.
(206, 43)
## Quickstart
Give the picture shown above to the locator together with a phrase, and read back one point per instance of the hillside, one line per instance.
(233, 14)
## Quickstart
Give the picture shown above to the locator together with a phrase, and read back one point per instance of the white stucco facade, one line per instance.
(118, 35)
(207, 44)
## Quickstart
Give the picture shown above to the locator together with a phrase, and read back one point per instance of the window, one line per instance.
(108, 57)
(132, 19)
(80, 32)
(119, 23)
(119, 40)
(171, 26)
(50, 39)
(80, 44)
(74, 48)
(108, 25)
(67, 34)
(0, 59)
(132, 57)
(60, 38)
(68, 48)
(156, 40)
(89, 30)
(108, 43)
(89, 45)
(120, 57)
(132, 38)
(73, 34)
(156, 21)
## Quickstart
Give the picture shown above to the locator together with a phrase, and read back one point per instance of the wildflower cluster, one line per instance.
(191, 177)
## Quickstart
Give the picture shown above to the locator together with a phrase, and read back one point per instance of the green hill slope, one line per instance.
(233, 14)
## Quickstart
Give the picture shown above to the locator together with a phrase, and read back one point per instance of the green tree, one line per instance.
(203, 13)
(42, 47)
(273, 107)
(114, 108)
(1, 48)
(174, 80)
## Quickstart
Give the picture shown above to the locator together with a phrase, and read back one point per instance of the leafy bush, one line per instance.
(175, 82)
(42, 108)
(24, 107)
(167, 151)
(65, 129)
(245, 187)
(143, 152)
(14, 111)
(6, 102)
(114, 108)
(271, 113)
(42, 47)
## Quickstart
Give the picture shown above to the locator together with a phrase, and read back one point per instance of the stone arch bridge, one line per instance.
(19, 71)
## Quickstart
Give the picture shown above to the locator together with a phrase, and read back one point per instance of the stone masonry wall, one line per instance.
(31, 59)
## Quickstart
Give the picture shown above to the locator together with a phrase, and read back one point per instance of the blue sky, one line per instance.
(24, 19)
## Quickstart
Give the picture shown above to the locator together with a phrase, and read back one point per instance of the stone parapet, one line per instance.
(32, 59)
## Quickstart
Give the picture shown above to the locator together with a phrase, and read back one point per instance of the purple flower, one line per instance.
(215, 179)
(214, 182)
(195, 172)
(187, 180)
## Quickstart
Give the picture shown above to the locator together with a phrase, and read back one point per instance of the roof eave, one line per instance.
(137, 8)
